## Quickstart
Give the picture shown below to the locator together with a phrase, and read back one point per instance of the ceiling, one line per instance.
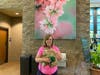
(12, 12)
(95, 1)
(11, 7)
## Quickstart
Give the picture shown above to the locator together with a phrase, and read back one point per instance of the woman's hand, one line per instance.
(45, 59)
(58, 54)
(42, 59)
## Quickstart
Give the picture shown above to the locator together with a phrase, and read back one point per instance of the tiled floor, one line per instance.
(11, 68)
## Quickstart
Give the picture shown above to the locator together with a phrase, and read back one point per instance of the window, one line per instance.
(91, 23)
(95, 22)
(98, 22)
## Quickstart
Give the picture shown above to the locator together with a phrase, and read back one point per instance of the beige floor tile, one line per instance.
(11, 68)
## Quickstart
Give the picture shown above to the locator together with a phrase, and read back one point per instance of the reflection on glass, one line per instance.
(98, 11)
(91, 34)
(98, 26)
(98, 18)
(91, 27)
(91, 18)
(91, 11)
(98, 32)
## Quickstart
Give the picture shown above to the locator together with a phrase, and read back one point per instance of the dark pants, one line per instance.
(40, 73)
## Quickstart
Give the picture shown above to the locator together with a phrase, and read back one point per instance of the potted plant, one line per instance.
(95, 61)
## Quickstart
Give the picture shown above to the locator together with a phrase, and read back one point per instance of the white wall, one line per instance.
(14, 26)
(16, 42)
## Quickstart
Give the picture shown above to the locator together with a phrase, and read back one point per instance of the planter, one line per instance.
(94, 71)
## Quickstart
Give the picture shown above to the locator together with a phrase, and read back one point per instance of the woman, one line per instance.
(47, 69)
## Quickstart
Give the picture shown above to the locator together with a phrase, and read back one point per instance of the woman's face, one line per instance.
(49, 41)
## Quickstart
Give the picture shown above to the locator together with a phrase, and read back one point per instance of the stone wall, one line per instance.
(72, 48)
(13, 4)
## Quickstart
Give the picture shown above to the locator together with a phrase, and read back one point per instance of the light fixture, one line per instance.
(17, 13)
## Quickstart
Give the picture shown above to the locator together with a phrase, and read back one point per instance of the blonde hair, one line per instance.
(46, 38)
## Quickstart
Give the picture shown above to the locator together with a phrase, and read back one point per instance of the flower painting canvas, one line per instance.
(56, 17)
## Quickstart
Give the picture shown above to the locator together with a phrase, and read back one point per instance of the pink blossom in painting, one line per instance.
(57, 17)
(50, 10)
(47, 26)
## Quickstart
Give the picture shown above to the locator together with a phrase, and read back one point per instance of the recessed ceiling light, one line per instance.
(17, 13)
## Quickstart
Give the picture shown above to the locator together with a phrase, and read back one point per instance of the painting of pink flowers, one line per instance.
(56, 17)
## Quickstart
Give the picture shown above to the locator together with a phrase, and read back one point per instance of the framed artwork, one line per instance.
(56, 17)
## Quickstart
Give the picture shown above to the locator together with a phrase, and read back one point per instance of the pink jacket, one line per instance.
(47, 69)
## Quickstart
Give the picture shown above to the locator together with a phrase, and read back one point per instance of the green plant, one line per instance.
(95, 57)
